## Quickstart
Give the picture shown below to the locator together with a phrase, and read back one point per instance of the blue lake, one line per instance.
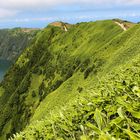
(4, 66)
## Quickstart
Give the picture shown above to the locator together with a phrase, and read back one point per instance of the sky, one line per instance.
(38, 13)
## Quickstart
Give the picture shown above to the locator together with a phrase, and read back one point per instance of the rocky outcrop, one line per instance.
(62, 25)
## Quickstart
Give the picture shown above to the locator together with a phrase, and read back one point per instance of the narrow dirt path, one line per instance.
(121, 25)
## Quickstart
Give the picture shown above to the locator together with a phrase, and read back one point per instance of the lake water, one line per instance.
(4, 65)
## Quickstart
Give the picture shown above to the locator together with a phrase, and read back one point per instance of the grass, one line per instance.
(110, 112)
(60, 73)
(1, 91)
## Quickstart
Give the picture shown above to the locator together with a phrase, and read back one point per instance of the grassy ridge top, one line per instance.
(59, 66)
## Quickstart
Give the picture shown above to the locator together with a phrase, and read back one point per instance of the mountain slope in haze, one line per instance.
(13, 42)
(58, 69)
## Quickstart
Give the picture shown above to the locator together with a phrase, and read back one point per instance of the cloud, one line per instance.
(19, 4)
(7, 13)
(11, 8)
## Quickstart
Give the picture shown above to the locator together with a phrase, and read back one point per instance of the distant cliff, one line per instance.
(13, 41)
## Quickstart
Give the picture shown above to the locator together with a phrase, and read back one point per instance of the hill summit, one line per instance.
(60, 24)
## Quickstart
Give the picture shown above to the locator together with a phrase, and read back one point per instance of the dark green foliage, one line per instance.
(56, 85)
(41, 89)
(35, 70)
(33, 94)
(49, 72)
(84, 65)
(24, 85)
(88, 71)
(80, 89)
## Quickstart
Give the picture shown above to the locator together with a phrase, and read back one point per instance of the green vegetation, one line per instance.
(127, 24)
(13, 42)
(108, 110)
(80, 84)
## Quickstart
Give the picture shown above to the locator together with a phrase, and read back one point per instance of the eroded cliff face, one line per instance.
(13, 42)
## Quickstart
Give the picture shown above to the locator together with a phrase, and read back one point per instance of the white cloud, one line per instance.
(7, 13)
(9, 8)
(48, 3)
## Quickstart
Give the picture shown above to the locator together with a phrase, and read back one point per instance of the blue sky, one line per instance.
(38, 13)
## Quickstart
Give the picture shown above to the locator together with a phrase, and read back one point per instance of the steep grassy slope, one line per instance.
(13, 41)
(58, 67)
(109, 110)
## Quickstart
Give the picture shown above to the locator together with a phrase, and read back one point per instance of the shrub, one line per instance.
(56, 85)
(80, 89)
(33, 94)
(24, 85)
(84, 65)
(88, 71)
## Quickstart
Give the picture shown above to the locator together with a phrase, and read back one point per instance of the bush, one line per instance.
(84, 65)
(33, 94)
(41, 89)
(80, 89)
(56, 85)
(88, 71)
(24, 85)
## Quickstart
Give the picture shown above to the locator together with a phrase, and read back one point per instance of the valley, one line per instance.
(12, 43)
(4, 66)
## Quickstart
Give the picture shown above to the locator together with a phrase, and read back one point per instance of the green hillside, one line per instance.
(13, 42)
(80, 84)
